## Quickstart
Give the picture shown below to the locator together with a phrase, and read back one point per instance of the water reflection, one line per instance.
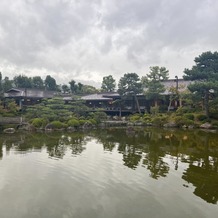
(56, 144)
(149, 147)
(158, 151)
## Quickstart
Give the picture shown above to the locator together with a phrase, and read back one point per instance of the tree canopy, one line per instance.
(129, 83)
(108, 84)
(22, 81)
(205, 76)
(37, 82)
(50, 83)
(152, 82)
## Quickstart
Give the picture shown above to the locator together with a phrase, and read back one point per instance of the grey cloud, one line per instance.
(33, 27)
(73, 37)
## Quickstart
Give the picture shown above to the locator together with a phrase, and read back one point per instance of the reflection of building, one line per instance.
(24, 96)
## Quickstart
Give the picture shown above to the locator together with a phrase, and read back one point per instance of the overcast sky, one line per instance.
(85, 40)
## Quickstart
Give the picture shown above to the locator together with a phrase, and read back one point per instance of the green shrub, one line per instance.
(92, 121)
(189, 116)
(82, 121)
(215, 123)
(201, 117)
(7, 114)
(99, 116)
(154, 110)
(146, 118)
(183, 110)
(73, 122)
(182, 120)
(135, 117)
(57, 124)
(159, 120)
(39, 122)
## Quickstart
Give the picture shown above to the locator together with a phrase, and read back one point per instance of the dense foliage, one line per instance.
(198, 104)
(205, 76)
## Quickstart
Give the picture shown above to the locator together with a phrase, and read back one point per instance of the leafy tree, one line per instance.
(7, 84)
(22, 81)
(130, 84)
(50, 83)
(80, 87)
(37, 82)
(65, 88)
(76, 88)
(73, 86)
(152, 82)
(108, 84)
(88, 89)
(205, 76)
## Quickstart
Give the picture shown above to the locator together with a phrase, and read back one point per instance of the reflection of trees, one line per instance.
(107, 140)
(77, 143)
(132, 156)
(132, 144)
(57, 146)
(147, 147)
(154, 155)
(55, 143)
(203, 170)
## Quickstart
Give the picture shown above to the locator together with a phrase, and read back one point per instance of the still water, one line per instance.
(110, 173)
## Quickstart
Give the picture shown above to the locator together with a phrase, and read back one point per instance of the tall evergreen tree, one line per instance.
(108, 84)
(152, 82)
(23, 81)
(37, 82)
(130, 84)
(205, 76)
(50, 83)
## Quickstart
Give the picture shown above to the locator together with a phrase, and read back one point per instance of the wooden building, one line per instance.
(24, 96)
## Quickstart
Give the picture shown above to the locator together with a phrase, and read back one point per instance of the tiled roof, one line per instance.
(96, 97)
(32, 93)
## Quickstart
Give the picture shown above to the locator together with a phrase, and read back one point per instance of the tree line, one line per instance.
(204, 87)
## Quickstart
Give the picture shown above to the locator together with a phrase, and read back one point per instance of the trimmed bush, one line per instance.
(92, 121)
(201, 117)
(146, 118)
(159, 120)
(181, 121)
(99, 116)
(39, 122)
(215, 124)
(73, 122)
(82, 122)
(135, 117)
(57, 124)
(183, 110)
(189, 116)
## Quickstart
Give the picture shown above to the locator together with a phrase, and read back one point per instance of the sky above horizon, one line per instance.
(85, 40)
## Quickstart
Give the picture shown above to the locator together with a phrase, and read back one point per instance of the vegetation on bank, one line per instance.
(54, 114)
(197, 105)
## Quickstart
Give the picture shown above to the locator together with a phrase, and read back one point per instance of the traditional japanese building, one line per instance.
(24, 96)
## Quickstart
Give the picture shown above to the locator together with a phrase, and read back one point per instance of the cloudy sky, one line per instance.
(85, 40)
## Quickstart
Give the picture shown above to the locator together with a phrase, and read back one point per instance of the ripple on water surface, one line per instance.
(91, 183)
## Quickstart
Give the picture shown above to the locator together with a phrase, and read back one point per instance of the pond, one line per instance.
(109, 173)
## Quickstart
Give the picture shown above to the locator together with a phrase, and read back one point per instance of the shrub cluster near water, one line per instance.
(60, 115)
